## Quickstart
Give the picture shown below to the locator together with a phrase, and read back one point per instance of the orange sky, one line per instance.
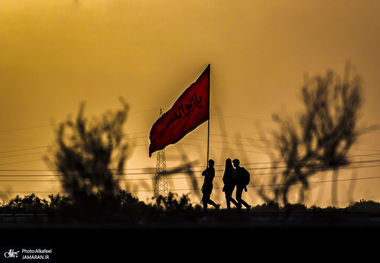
(53, 55)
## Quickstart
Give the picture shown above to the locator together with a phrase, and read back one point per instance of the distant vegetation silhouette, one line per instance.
(319, 138)
(126, 208)
(89, 156)
(130, 211)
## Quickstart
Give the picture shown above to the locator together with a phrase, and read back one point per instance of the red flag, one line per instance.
(189, 111)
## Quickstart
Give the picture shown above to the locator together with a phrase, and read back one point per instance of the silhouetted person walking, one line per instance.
(229, 180)
(243, 178)
(209, 175)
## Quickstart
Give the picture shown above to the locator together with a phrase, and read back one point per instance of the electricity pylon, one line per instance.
(160, 182)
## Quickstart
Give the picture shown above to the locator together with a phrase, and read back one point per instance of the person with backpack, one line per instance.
(229, 180)
(243, 178)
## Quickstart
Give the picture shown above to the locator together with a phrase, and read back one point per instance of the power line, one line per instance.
(145, 135)
(217, 188)
(28, 128)
(21, 154)
(184, 167)
(221, 148)
(25, 149)
(182, 172)
(23, 161)
(240, 117)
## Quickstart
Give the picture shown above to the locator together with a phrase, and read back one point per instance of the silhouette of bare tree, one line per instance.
(90, 155)
(320, 138)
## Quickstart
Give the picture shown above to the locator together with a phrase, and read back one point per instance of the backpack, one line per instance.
(244, 176)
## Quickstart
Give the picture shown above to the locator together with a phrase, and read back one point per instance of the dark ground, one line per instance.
(210, 220)
(217, 234)
(192, 234)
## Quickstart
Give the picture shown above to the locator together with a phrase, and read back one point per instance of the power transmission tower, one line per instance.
(161, 184)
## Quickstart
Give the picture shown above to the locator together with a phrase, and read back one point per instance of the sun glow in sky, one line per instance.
(55, 54)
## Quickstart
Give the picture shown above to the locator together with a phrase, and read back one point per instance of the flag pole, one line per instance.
(208, 140)
(209, 115)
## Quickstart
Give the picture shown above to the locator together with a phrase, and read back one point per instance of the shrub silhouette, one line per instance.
(321, 137)
(89, 157)
(171, 203)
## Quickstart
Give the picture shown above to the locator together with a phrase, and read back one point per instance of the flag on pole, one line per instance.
(189, 111)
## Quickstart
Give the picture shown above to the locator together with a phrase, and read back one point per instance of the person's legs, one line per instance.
(205, 199)
(228, 202)
(212, 203)
(232, 200)
(245, 203)
(239, 191)
(228, 193)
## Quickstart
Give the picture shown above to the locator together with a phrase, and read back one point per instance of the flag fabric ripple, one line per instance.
(189, 111)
